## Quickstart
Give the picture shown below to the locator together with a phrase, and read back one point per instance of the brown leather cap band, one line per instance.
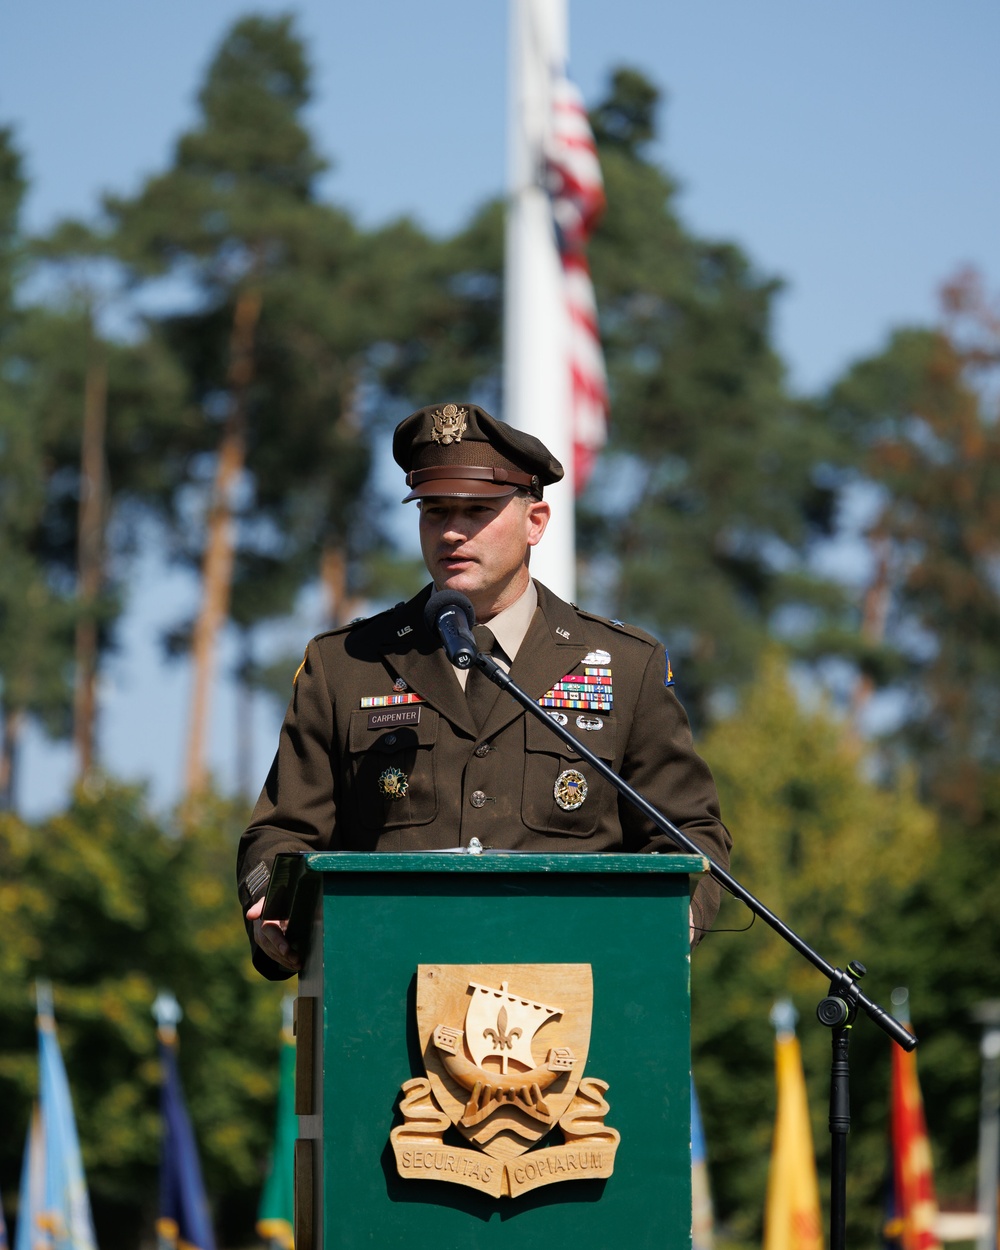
(450, 472)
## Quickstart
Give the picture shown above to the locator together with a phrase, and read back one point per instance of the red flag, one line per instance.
(577, 192)
(915, 1204)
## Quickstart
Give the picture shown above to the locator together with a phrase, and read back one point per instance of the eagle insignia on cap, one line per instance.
(449, 424)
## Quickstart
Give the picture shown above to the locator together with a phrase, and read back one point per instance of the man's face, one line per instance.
(480, 546)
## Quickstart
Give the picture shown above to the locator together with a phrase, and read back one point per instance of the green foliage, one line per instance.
(829, 853)
(111, 906)
(923, 415)
(274, 346)
(703, 505)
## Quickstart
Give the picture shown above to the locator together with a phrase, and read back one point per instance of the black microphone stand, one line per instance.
(837, 1011)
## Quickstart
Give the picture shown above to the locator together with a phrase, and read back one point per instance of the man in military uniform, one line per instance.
(383, 748)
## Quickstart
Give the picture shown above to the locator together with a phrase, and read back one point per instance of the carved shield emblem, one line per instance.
(504, 1047)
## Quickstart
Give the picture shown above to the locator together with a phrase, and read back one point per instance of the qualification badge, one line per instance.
(393, 784)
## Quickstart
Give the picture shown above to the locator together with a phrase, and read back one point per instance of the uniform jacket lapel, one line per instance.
(419, 658)
(553, 646)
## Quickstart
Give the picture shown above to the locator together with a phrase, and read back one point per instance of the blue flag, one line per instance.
(184, 1222)
(702, 1221)
(276, 1213)
(55, 1209)
(3, 1229)
(31, 1202)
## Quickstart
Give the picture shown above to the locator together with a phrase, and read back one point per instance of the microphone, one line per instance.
(450, 614)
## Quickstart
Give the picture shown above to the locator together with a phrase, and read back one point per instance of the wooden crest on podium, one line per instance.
(504, 1049)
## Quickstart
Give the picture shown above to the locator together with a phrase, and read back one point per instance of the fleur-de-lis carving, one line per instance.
(499, 1036)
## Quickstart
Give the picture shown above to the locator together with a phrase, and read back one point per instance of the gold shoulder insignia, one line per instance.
(295, 679)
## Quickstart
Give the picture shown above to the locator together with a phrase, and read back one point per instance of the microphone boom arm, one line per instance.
(844, 982)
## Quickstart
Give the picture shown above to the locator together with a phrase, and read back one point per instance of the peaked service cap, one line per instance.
(459, 450)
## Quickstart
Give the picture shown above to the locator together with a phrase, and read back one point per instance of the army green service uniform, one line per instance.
(379, 751)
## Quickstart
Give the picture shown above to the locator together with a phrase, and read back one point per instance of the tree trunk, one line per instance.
(217, 568)
(90, 561)
(244, 718)
(13, 723)
(339, 606)
(874, 613)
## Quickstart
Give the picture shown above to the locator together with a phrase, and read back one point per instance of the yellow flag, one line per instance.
(792, 1219)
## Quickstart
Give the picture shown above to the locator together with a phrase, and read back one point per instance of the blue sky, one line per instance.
(851, 149)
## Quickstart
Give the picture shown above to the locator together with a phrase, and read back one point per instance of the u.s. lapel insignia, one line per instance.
(563, 633)
(407, 629)
(393, 784)
(570, 790)
(504, 1047)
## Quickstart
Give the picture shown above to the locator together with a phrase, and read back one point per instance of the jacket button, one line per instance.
(389, 740)
(477, 798)
(482, 749)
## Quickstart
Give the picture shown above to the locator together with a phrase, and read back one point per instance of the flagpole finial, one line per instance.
(44, 1006)
(167, 1013)
(783, 1016)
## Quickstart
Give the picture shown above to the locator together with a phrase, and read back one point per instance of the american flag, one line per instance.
(577, 193)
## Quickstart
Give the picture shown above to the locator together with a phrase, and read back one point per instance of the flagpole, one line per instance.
(987, 1014)
(536, 333)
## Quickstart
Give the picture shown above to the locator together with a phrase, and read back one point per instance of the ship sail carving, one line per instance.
(503, 1024)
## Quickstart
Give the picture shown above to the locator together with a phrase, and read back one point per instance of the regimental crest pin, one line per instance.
(504, 1050)
(449, 424)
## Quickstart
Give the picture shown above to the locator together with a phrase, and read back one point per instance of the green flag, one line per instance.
(275, 1213)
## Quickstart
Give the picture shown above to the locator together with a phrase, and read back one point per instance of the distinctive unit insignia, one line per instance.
(504, 1067)
(399, 685)
(570, 790)
(393, 784)
(449, 424)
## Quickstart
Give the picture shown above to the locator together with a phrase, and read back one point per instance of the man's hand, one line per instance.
(270, 937)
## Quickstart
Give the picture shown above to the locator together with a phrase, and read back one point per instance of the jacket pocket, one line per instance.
(563, 793)
(392, 772)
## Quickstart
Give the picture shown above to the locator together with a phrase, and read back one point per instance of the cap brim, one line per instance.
(459, 488)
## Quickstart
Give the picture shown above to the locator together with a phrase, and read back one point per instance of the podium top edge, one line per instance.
(504, 862)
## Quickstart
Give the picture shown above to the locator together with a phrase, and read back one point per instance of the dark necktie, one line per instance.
(479, 690)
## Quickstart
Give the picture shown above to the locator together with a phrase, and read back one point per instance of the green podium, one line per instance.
(494, 1050)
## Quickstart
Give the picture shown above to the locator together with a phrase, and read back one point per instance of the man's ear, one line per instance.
(538, 514)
